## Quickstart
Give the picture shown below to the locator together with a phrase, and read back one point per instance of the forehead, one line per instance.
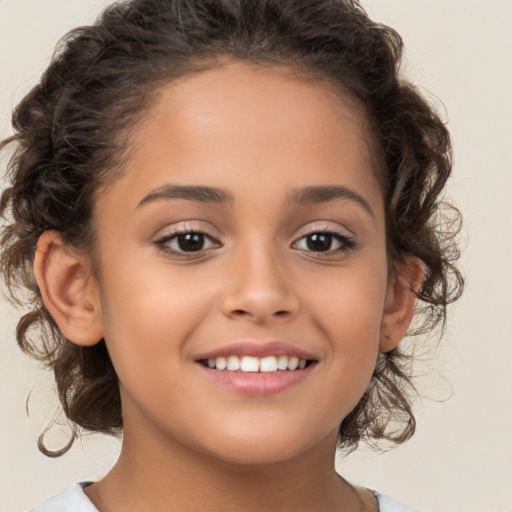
(272, 89)
(264, 122)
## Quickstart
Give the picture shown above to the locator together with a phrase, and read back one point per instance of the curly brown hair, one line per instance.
(71, 134)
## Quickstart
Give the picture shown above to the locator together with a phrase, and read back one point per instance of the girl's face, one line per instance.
(248, 228)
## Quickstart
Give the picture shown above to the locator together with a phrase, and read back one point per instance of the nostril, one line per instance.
(282, 313)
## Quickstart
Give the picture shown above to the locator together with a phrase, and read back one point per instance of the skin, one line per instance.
(259, 135)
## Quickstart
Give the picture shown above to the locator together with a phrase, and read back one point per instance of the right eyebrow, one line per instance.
(199, 193)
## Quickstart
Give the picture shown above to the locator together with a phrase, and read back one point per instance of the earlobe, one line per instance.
(400, 302)
(68, 289)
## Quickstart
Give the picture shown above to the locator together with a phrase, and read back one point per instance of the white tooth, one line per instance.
(268, 364)
(302, 364)
(233, 363)
(249, 364)
(282, 363)
(221, 363)
(211, 363)
(293, 363)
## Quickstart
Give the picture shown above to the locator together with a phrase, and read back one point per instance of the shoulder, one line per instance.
(72, 499)
(389, 504)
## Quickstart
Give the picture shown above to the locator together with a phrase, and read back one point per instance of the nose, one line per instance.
(259, 288)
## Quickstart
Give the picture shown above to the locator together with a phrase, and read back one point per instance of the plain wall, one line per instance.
(460, 460)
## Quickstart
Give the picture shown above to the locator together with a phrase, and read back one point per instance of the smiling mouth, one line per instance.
(251, 364)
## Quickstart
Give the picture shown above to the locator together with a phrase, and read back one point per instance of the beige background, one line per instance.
(461, 458)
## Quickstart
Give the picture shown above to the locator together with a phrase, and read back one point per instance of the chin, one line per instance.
(267, 446)
(256, 455)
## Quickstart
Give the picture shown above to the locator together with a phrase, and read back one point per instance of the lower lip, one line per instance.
(257, 384)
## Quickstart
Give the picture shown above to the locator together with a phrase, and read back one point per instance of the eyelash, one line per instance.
(164, 243)
(346, 242)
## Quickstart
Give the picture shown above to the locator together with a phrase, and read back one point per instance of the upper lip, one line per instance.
(257, 349)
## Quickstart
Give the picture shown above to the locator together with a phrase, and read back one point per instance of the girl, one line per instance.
(227, 214)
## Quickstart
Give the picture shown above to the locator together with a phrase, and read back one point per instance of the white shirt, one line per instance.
(74, 499)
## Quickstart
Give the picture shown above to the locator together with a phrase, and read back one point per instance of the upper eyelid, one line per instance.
(211, 231)
(187, 226)
(324, 227)
(171, 234)
(346, 238)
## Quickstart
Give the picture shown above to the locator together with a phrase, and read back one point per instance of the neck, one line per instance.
(157, 474)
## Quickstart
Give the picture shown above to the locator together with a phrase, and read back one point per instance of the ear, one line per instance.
(68, 289)
(400, 302)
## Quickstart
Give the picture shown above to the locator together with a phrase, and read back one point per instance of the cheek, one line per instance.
(349, 302)
(148, 316)
(348, 308)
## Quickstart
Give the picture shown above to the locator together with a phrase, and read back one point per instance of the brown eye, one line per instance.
(319, 242)
(324, 242)
(187, 242)
(190, 242)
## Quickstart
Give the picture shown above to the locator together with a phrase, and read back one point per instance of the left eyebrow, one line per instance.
(199, 193)
(326, 193)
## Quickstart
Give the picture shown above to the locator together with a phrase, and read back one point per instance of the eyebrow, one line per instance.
(323, 194)
(302, 196)
(199, 193)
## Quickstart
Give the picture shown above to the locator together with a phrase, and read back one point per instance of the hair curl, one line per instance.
(72, 130)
